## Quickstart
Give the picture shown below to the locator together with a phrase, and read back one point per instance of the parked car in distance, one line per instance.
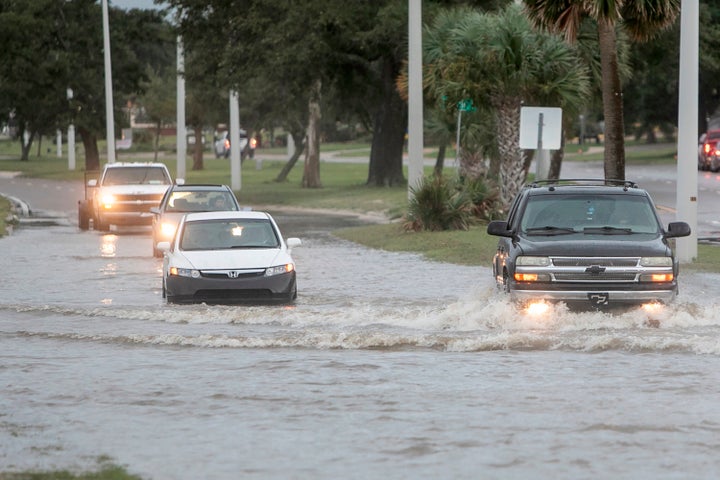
(592, 243)
(229, 257)
(709, 151)
(222, 144)
(181, 199)
(123, 195)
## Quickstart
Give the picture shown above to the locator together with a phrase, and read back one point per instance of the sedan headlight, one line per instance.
(656, 262)
(287, 268)
(184, 272)
(527, 261)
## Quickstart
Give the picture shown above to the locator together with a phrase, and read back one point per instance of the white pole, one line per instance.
(71, 134)
(687, 185)
(58, 141)
(415, 100)
(457, 140)
(109, 115)
(71, 147)
(235, 175)
(180, 135)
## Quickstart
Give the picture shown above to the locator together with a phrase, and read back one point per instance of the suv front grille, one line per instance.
(590, 261)
(601, 277)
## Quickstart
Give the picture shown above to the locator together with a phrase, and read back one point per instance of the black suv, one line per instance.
(591, 242)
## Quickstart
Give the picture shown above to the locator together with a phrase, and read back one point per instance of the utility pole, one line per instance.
(109, 115)
(415, 100)
(687, 187)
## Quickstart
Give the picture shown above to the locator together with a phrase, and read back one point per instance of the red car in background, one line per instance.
(709, 151)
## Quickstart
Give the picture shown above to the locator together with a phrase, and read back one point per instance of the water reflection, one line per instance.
(108, 245)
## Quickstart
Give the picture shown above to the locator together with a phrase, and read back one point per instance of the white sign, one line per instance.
(549, 130)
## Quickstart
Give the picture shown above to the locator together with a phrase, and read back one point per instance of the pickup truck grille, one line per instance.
(590, 261)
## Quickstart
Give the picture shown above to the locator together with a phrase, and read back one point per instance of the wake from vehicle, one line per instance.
(481, 320)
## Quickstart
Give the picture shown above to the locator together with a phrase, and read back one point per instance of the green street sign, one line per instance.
(466, 105)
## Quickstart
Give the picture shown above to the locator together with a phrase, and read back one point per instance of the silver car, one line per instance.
(182, 199)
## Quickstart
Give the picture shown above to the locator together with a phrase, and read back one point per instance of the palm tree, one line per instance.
(640, 19)
(500, 62)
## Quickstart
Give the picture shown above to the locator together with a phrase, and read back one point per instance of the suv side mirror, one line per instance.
(677, 229)
(499, 228)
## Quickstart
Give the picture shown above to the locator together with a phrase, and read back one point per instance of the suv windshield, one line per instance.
(136, 176)
(591, 214)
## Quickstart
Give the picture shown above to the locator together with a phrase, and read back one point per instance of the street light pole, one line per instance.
(180, 135)
(687, 184)
(415, 100)
(109, 116)
(71, 134)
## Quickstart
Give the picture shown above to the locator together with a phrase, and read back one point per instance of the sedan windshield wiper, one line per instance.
(550, 230)
(607, 229)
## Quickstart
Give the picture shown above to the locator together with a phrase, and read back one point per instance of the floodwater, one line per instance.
(388, 366)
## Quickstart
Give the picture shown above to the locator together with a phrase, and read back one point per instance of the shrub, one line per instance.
(438, 204)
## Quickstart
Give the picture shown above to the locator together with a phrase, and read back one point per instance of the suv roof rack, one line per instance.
(626, 184)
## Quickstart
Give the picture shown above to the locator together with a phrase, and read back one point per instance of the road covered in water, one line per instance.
(388, 366)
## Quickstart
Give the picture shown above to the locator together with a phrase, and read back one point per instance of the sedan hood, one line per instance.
(236, 259)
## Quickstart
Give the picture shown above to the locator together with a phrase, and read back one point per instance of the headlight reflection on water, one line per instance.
(108, 247)
(537, 308)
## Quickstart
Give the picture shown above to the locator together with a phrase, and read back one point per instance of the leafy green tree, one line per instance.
(48, 46)
(159, 101)
(500, 62)
(640, 19)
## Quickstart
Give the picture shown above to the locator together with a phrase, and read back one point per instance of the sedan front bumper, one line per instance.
(218, 289)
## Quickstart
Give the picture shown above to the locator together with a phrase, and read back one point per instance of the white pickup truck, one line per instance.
(123, 195)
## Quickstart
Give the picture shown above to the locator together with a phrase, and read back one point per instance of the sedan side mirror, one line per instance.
(677, 229)
(163, 246)
(293, 242)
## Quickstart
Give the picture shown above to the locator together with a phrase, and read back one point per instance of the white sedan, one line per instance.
(226, 257)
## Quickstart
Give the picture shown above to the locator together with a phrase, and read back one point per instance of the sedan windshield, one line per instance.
(228, 234)
(589, 214)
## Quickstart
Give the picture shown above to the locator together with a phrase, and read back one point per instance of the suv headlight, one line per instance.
(287, 268)
(527, 261)
(656, 262)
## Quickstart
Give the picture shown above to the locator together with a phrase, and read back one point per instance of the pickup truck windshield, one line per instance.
(136, 176)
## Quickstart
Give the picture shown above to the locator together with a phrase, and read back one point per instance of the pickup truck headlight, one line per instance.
(107, 200)
(527, 261)
(656, 262)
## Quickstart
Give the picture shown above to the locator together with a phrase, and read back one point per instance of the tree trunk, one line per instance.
(440, 160)
(299, 141)
(386, 153)
(25, 149)
(92, 156)
(311, 174)
(158, 129)
(198, 149)
(512, 171)
(612, 104)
